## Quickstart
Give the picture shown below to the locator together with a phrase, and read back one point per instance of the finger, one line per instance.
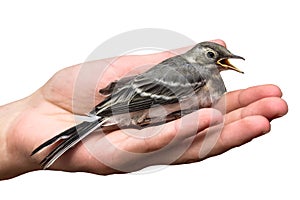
(241, 98)
(121, 65)
(121, 144)
(130, 62)
(232, 135)
(80, 159)
(156, 137)
(218, 41)
(180, 129)
(128, 65)
(144, 141)
(241, 132)
(270, 108)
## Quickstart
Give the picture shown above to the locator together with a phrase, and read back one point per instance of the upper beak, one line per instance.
(225, 64)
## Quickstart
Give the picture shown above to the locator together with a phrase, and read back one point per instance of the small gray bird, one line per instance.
(180, 84)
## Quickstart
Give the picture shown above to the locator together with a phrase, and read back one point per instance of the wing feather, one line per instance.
(166, 83)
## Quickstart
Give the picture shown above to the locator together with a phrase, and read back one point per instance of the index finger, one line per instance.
(241, 98)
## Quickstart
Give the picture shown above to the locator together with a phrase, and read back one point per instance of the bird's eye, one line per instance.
(210, 54)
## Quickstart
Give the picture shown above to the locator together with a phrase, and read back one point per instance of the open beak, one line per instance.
(225, 64)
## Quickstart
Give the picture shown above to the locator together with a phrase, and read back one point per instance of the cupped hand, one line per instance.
(197, 136)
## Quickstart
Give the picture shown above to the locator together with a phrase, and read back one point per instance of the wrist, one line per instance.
(12, 160)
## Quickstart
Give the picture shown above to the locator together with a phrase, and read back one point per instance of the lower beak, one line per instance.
(225, 64)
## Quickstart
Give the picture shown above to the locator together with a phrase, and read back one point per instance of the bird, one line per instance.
(180, 84)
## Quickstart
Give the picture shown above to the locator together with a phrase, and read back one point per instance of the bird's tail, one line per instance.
(69, 137)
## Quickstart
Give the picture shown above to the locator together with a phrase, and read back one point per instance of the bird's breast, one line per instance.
(211, 92)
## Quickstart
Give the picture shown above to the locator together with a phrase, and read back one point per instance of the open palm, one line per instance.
(50, 110)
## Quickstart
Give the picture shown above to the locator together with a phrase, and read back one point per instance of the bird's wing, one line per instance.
(115, 85)
(140, 94)
(166, 83)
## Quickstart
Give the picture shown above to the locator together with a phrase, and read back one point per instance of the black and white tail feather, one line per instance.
(168, 83)
(70, 138)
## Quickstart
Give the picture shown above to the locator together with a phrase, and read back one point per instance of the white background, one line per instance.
(37, 39)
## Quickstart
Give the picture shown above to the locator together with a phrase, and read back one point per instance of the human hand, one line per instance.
(49, 111)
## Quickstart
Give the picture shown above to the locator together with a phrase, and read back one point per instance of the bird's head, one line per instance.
(212, 54)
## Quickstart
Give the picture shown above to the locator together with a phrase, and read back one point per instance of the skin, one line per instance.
(27, 123)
